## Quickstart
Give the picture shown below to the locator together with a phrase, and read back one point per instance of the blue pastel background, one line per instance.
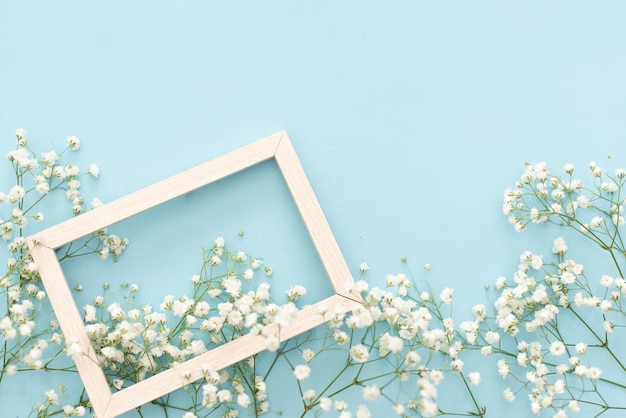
(410, 119)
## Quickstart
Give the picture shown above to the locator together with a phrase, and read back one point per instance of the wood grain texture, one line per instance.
(278, 146)
(71, 323)
(314, 219)
(221, 357)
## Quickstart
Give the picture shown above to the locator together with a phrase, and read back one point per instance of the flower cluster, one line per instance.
(551, 333)
(399, 339)
(28, 342)
(559, 322)
(226, 302)
(542, 196)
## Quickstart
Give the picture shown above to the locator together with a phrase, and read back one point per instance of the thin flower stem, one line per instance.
(603, 342)
(326, 389)
(469, 390)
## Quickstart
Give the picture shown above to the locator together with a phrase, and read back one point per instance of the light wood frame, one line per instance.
(107, 404)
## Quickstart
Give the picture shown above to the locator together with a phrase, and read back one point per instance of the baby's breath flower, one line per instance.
(446, 295)
(73, 142)
(371, 392)
(308, 395)
(474, 378)
(52, 397)
(308, 355)
(295, 292)
(557, 348)
(359, 353)
(302, 371)
(559, 246)
(272, 343)
(508, 395)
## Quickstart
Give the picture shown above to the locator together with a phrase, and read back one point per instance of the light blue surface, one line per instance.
(410, 119)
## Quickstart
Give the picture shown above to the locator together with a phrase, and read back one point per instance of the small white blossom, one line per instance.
(371, 393)
(446, 295)
(302, 371)
(93, 170)
(73, 142)
(474, 378)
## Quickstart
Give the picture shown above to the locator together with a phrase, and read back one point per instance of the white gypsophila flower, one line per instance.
(557, 348)
(243, 400)
(363, 267)
(248, 274)
(189, 415)
(606, 280)
(20, 133)
(272, 344)
(593, 373)
(42, 188)
(90, 313)
(96, 203)
(362, 411)
(474, 378)
(73, 347)
(436, 376)
(295, 292)
(371, 392)
(492, 337)
(558, 387)
(93, 170)
(308, 355)
(340, 405)
(412, 358)
(52, 397)
(325, 404)
(428, 408)
(559, 246)
(224, 396)
(596, 221)
(359, 353)
(606, 305)
(16, 192)
(446, 295)
(308, 395)
(73, 142)
(302, 371)
(500, 283)
(508, 395)
(503, 368)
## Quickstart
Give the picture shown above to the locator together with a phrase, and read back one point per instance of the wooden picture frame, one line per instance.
(108, 404)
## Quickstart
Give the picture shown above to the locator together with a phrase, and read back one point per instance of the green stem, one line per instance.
(469, 390)
(603, 342)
